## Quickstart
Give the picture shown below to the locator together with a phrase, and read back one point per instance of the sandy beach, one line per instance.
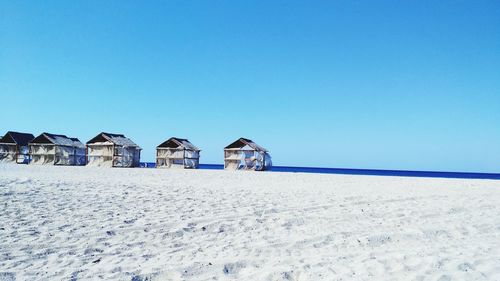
(86, 223)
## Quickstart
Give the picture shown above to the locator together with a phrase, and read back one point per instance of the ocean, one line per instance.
(367, 172)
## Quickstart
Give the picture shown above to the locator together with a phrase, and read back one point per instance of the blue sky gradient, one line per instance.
(355, 84)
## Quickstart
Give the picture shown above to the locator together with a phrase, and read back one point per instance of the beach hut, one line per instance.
(177, 153)
(112, 150)
(14, 147)
(52, 149)
(244, 154)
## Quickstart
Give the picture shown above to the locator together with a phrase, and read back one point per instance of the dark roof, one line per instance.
(113, 135)
(57, 140)
(242, 142)
(116, 139)
(21, 139)
(54, 135)
(178, 142)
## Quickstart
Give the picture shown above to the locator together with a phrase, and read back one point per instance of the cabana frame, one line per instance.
(52, 149)
(112, 150)
(177, 153)
(14, 147)
(244, 154)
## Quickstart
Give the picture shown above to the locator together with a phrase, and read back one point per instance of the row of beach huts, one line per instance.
(116, 150)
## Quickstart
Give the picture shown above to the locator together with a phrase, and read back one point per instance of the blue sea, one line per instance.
(370, 172)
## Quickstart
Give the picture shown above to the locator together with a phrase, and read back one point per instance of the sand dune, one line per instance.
(82, 223)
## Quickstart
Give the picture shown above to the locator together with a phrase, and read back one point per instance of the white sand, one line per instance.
(74, 223)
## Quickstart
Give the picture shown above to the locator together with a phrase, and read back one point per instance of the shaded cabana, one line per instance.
(52, 149)
(112, 150)
(244, 154)
(14, 147)
(177, 153)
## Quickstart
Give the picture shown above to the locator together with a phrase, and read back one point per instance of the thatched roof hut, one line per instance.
(52, 149)
(112, 150)
(245, 154)
(177, 153)
(14, 147)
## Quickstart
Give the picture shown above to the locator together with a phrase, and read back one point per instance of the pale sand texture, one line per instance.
(84, 223)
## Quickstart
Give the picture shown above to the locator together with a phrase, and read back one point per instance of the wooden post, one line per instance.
(264, 162)
(16, 154)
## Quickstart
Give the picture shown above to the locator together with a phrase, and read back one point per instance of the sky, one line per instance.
(408, 85)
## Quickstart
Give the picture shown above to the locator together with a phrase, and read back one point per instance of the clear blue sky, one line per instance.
(360, 84)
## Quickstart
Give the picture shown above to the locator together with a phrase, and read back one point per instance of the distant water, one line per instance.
(368, 172)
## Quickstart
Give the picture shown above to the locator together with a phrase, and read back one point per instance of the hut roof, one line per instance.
(178, 143)
(21, 139)
(116, 139)
(243, 143)
(61, 140)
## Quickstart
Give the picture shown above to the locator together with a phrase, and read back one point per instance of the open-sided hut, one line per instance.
(112, 150)
(177, 153)
(14, 147)
(244, 154)
(51, 149)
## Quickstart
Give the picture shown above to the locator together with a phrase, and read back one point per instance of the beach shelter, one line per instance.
(112, 150)
(244, 154)
(52, 149)
(177, 153)
(14, 147)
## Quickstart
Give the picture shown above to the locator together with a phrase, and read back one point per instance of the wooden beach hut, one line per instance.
(52, 149)
(177, 153)
(112, 150)
(14, 147)
(244, 154)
